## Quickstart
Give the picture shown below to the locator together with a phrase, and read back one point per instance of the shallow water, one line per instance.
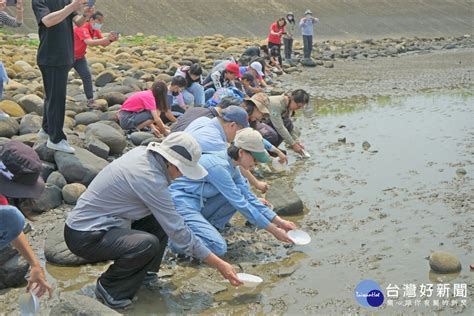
(372, 214)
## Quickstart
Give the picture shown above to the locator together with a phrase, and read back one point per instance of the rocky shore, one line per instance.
(134, 64)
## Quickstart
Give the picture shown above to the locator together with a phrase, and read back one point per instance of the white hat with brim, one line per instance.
(183, 151)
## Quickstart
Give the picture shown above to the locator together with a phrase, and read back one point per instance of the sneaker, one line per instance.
(108, 300)
(63, 146)
(151, 280)
(42, 135)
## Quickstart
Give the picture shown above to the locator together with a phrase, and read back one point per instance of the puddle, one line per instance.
(373, 213)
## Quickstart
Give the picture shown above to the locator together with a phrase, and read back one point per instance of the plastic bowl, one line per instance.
(249, 279)
(29, 304)
(278, 166)
(299, 237)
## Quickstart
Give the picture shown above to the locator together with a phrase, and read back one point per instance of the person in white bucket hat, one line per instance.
(208, 204)
(127, 215)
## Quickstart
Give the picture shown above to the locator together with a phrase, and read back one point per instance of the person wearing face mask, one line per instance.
(89, 34)
(209, 203)
(288, 37)
(307, 29)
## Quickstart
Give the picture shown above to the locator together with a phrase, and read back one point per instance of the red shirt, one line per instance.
(3, 200)
(81, 34)
(275, 39)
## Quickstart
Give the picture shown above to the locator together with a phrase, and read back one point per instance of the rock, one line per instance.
(205, 285)
(285, 201)
(44, 152)
(461, 172)
(30, 123)
(97, 147)
(32, 103)
(49, 199)
(101, 104)
(138, 137)
(165, 77)
(444, 262)
(48, 168)
(285, 271)
(104, 78)
(308, 62)
(82, 167)
(152, 139)
(86, 118)
(108, 135)
(13, 268)
(57, 252)
(329, 64)
(75, 304)
(97, 68)
(8, 127)
(57, 179)
(72, 192)
(365, 145)
(109, 116)
(113, 98)
(277, 91)
(12, 108)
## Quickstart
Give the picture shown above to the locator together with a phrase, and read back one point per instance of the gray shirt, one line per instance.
(131, 188)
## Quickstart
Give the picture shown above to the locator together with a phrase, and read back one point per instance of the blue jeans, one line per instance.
(12, 222)
(209, 93)
(1, 89)
(206, 222)
(194, 95)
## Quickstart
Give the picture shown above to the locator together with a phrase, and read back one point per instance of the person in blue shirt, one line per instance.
(208, 204)
(306, 25)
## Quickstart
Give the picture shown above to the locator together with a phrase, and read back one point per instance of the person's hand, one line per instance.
(88, 11)
(78, 5)
(279, 234)
(156, 131)
(113, 36)
(19, 5)
(228, 272)
(266, 203)
(282, 158)
(37, 282)
(284, 224)
(3, 4)
(262, 186)
(298, 148)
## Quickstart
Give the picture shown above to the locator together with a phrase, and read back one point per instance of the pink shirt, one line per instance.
(140, 101)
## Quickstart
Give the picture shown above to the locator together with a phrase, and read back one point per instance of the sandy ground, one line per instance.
(248, 250)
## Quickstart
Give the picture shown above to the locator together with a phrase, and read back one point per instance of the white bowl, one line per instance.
(299, 237)
(29, 304)
(305, 154)
(249, 279)
(278, 166)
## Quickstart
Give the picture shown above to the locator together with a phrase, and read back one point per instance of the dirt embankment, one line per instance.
(339, 18)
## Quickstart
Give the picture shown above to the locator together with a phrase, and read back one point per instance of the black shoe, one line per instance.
(151, 279)
(108, 300)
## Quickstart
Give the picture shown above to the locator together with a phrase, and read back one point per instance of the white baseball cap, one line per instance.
(183, 151)
(258, 68)
(252, 141)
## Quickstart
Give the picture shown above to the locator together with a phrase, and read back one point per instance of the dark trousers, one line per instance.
(288, 42)
(307, 46)
(134, 252)
(270, 45)
(82, 69)
(268, 131)
(55, 85)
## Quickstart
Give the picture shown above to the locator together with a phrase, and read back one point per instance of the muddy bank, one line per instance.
(339, 18)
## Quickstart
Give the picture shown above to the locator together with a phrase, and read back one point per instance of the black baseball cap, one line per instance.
(20, 171)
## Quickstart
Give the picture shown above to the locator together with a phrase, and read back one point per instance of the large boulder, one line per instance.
(76, 304)
(86, 118)
(82, 167)
(8, 127)
(49, 199)
(444, 262)
(12, 108)
(72, 192)
(138, 137)
(57, 252)
(44, 153)
(104, 78)
(97, 147)
(13, 268)
(57, 179)
(308, 62)
(113, 97)
(32, 103)
(108, 135)
(285, 201)
(30, 123)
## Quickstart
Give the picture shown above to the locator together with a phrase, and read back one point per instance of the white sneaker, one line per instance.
(42, 135)
(63, 146)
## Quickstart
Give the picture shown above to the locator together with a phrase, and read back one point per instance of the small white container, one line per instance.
(278, 166)
(305, 154)
(29, 304)
(249, 280)
(299, 237)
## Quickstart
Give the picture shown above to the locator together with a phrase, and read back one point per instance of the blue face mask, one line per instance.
(97, 26)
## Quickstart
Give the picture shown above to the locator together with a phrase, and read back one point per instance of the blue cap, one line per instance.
(11, 224)
(236, 114)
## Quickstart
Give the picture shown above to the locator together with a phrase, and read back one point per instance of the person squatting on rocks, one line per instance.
(147, 109)
(221, 78)
(256, 69)
(89, 34)
(55, 58)
(8, 20)
(307, 29)
(277, 30)
(208, 204)
(127, 215)
(20, 177)
(280, 126)
(193, 94)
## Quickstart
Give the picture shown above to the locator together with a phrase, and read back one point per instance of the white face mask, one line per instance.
(97, 26)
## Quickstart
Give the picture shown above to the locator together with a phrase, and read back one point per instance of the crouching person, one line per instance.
(127, 215)
(208, 204)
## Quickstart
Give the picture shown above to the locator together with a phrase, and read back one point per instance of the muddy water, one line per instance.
(373, 213)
